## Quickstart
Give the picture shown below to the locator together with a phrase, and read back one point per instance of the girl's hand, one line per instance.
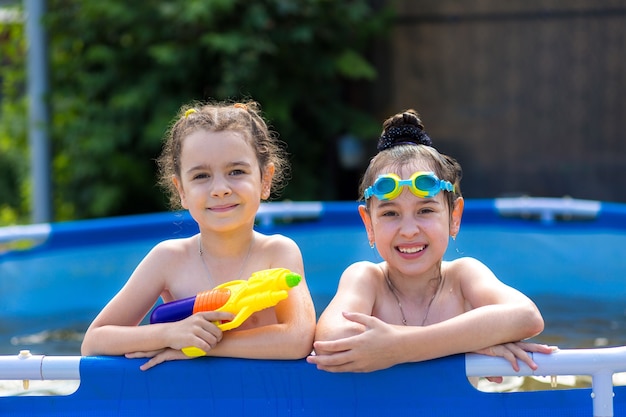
(365, 352)
(197, 330)
(514, 351)
(157, 357)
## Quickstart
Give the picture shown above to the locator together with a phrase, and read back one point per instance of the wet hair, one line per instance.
(244, 118)
(403, 142)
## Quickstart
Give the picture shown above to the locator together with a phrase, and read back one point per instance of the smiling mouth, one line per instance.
(412, 250)
(222, 208)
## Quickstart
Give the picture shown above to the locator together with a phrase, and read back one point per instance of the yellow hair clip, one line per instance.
(240, 106)
(188, 112)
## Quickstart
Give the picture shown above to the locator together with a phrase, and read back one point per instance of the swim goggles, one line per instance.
(422, 184)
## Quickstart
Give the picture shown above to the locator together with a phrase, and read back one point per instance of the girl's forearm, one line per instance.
(275, 341)
(474, 330)
(119, 340)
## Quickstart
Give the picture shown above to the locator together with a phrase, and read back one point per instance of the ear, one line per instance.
(367, 221)
(181, 192)
(266, 181)
(457, 213)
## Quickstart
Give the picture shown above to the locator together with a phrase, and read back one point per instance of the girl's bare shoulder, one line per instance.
(276, 242)
(169, 253)
(166, 261)
(364, 273)
(173, 247)
(279, 250)
(465, 264)
(469, 272)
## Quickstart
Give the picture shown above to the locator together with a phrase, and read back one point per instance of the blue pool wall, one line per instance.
(114, 386)
(80, 265)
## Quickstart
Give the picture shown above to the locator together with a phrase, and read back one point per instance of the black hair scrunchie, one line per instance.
(403, 135)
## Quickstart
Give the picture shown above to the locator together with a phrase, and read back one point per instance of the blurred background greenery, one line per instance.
(528, 95)
(120, 70)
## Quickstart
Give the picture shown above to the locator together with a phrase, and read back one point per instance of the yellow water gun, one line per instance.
(240, 297)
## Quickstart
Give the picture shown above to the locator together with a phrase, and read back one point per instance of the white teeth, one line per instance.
(411, 250)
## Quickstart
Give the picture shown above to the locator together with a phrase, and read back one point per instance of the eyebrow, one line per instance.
(230, 165)
(201, 167)
(423, 202)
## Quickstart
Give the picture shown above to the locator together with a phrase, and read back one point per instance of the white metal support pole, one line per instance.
(600, 363)
(602, 393)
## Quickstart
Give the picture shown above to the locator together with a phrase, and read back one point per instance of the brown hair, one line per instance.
(244, 118)
(403, 141)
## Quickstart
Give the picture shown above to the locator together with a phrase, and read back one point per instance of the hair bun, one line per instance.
(403, 135)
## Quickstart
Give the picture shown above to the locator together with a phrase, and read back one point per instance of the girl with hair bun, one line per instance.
(414, 306)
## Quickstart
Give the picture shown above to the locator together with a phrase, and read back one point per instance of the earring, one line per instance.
(372, 244)
(453, 237)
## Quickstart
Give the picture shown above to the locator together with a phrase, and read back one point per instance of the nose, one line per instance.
(220, 187)
(409, 227)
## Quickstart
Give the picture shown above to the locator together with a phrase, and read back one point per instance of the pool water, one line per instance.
(574, 322)
(570, 323)
(52, 336)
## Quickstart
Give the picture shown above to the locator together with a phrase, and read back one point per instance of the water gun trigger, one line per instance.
(242, 316)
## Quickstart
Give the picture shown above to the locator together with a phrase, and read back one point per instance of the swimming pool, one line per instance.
(566, 254)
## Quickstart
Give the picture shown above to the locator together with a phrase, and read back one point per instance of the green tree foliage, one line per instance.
(13, 150)
(120, 70)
